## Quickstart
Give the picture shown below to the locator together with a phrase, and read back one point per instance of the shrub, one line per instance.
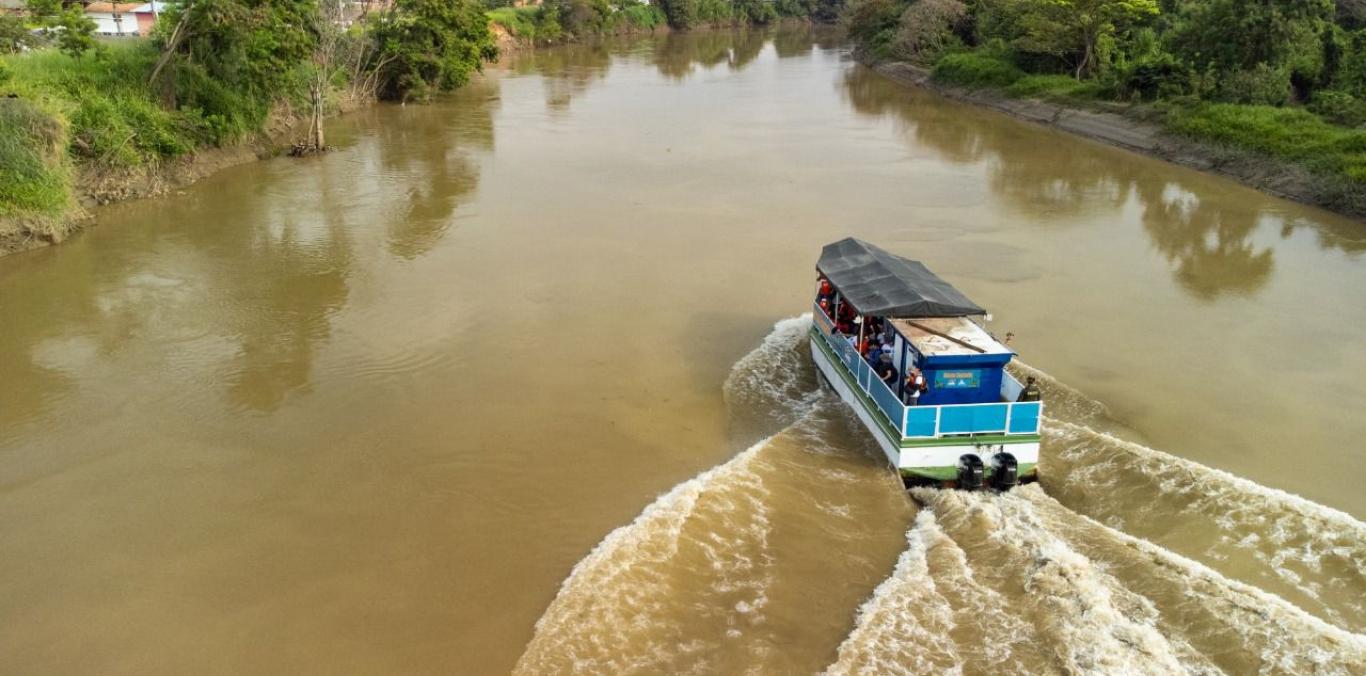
(975, 69)
(1289, 133)
(928, 28)
(1160, 75)
(1054, 87)
(1263, 85)
(873, 24)
(1339, 107)
(33, 173)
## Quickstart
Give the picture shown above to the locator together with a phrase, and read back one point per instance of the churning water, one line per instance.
(1123, 560)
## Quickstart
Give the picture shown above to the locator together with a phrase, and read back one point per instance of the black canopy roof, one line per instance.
(882, 284)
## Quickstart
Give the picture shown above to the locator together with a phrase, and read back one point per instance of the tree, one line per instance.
(15, 37)
(928, 29)
(427, 45)
(1076, 29)
(75, 31)
(1237, 35)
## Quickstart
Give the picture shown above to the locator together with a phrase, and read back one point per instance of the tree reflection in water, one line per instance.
(1209, 246)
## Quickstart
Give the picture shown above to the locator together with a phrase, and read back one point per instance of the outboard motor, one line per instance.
(1004, 471)
(970, 472)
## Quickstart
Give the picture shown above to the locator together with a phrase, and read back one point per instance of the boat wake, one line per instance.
(1123, 560)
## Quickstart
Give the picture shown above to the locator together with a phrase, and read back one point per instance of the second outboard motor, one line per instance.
(970, 472)
(1004, 471)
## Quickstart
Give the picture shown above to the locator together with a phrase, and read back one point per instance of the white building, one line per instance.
(113, 18)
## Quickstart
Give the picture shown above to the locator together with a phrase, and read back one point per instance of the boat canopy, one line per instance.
(886, 285)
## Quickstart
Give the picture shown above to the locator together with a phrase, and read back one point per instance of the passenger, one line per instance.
(888, 345)
(825, 290)
(1030, 392)
(824, 303)
(886, 371)
(915, 386)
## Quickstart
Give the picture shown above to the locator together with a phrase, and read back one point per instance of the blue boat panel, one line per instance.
(920, 421)
(887, 402)
(970, 419)
(1024, 418)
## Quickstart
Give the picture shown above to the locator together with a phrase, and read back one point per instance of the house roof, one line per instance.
(110, 7)
(146, 8)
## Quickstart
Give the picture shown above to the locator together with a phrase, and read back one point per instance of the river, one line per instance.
(517, 381)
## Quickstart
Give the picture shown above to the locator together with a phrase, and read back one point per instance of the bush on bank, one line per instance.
(1283, 78)
(557, 19)
(211, 75)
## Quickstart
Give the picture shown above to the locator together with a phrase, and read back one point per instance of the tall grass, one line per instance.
(1288, 133)
(976, 69)
(34, 174)
(58, 111)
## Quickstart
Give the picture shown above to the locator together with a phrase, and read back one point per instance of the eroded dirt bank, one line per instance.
(1278, 178)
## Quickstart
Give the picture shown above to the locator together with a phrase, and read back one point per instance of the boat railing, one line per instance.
(929, 421)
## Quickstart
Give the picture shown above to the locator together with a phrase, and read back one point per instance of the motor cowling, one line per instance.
(970, 472)
(1005, 471)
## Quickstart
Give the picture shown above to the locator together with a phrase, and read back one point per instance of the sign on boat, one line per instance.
(909, 354)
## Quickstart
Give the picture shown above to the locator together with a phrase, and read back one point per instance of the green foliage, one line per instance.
(426, 46)
(520, 22)
(873, 25)
(928, 29)
(67, 20)
(259, 46)
(15, 37)
(33, 173)
(1237, 35)
(1262, 85)
(643, 16)
(1287, 133)
(114, 120)
(1062, 87)
(1340, 107)
(976, 69)
(679, 13)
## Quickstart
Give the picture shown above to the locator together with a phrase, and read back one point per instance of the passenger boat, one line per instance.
(968, 427)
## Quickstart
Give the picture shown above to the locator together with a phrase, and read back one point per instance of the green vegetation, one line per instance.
(557, 19)
(213, 74)
(1278, 78)
(1290, 133)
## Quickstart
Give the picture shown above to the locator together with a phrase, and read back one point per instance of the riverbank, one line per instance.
(1141, 130)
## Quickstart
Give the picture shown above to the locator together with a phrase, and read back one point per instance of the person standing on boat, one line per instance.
(885, 370)
(915, 386)
(1031, 391)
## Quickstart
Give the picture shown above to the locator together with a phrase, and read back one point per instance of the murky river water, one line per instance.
(382, 411)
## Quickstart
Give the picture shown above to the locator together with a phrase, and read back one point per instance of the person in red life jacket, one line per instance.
(915, 386)
(825, 307)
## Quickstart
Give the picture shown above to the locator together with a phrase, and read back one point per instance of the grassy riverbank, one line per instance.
(1286, 88)
(65, 114)
(216, 84)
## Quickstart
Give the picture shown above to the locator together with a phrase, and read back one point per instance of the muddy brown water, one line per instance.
(488, 389)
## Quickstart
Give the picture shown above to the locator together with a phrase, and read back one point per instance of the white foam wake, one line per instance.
(774, 385)
(667, 591)
(1088, 622)
(1234, 626)
(932, 616)
(1313, 555)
